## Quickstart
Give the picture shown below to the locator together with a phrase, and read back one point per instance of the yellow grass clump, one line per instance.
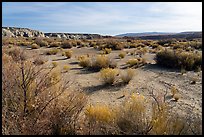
(108, 75)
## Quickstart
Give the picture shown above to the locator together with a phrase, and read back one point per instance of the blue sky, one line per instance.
(106, 18)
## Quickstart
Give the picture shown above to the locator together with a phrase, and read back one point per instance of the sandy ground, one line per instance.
(149, 77)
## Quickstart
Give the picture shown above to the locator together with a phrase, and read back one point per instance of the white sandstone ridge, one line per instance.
(26, 32)
(20, 32)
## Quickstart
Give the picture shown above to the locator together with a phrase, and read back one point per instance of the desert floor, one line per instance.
(149, 77)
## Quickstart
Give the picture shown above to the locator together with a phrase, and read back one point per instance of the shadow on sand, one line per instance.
(159, 68)
(115, 87)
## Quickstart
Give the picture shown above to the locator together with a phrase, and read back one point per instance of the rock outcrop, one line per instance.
(73, 35)
(25, 32)
(20, 32)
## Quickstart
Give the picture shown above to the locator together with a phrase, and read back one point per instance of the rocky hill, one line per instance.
(26, 32)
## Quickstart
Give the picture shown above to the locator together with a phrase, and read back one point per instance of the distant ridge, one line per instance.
(162, 35)
(144, 34)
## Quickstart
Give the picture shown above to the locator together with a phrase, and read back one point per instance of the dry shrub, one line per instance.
(66, 68)
(99, 120)
(68, 54)
(34, 46)
(127, 75)
(176, 97)
(39, 61)
(17, 54)
(132, 116)
(107, 51)
(84, 61)
(54, 44)
(99, 113)
(122, 55)
(96, 63)
(66, 45)
(41, 42)
(132, 62)
(54, 64)
(173, 59)
(36, 101)
(174, 90)
(22, 43)
(108, 75)
(51, 51)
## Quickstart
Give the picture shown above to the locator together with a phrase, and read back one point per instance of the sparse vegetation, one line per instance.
(40, 98)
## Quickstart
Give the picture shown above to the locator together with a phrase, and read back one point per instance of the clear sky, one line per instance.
(106, 18)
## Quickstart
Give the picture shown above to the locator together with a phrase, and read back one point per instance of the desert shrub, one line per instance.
(108, 75)
(23, 43)
(136, 62)
(96, 63)
(54, 64)
(102, 61)
(68, 54)
(74, 43)
(132, 62)
(34, 46)
(122, 55)
(35, 102)
(41, 42)
(84, 61)
(176, 97)
(99, 113)
(66, 68)
(173, 59)
(66, 45)
(174, 90)
(54, 44)
(167, 41)
(51, 51)
(107, 51)
(127, 75)
(100, 120)
(132, 116)
(38, 61)
(114, 45)
(196, 45)
(17, 54)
